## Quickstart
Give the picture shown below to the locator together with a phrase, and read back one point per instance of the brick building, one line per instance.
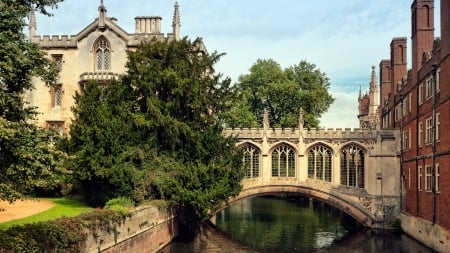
(417, 101)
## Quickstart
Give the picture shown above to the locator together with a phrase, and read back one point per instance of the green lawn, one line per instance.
(63, 207)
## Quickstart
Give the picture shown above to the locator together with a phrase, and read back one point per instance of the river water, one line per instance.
(267, 224)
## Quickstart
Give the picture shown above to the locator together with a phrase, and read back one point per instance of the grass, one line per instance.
(63, 207)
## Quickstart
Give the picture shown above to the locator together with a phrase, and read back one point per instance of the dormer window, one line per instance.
(102, 55)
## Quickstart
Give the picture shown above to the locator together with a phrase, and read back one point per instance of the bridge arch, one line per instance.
(359, 214)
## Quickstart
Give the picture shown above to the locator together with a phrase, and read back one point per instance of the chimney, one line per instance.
(422, 37)
(148, 25)
(398, 62)
(445, 28)
(385, 80)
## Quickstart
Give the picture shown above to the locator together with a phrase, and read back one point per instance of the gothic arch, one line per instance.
(352, 165)
(102, 54)
(251, 159)
(320, 162)
(283, 157)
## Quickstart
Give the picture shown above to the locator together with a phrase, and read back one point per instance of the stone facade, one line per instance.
(97, 52)
(417, 102)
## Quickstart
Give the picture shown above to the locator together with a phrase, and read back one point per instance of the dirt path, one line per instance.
(24, 208)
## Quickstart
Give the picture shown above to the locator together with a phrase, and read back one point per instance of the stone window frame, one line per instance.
(251, 160)
(56, 95)
(320, 163)
(102, 54)
(419, 178)
(428, 178)
(283, 161)
(353, 169)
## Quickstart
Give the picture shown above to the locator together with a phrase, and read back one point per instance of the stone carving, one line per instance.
(366, 202)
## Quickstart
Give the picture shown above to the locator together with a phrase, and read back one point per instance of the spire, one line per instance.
(101, 15)
(373, 80)
(32, 26)
(176, 22)
(360, 93)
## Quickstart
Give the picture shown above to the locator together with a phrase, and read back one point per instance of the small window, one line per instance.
(438, 125)
(56, 93)
(428, 131)
(420, 134)
(419, 179)
(436, 182)
(438, 73)
(57, 59)
(428, 178)
(57, 126)
(420, 94)
(429, 88)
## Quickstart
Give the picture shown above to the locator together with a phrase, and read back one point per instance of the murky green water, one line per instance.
(265, 224)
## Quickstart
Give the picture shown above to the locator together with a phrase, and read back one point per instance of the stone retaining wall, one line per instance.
(148, 229)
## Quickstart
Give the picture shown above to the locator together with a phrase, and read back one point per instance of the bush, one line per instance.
(120, 204)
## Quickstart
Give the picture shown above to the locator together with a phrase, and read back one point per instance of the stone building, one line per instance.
(417, 102)
(97, 52)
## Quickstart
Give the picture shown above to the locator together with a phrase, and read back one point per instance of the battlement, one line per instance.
(291, 133)
(47, 41)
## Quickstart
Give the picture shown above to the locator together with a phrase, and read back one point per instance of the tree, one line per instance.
(160, 124)
(282, 93)
(26, 160)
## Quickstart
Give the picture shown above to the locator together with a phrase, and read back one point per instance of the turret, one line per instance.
(176, 24)
(374, 96)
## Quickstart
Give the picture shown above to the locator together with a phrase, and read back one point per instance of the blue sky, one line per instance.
(343, 38)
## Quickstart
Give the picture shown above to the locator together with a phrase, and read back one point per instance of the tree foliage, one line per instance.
(282, 93)
(26, 159)
(156, 133)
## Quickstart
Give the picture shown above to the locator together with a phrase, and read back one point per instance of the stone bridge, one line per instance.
(356, 171)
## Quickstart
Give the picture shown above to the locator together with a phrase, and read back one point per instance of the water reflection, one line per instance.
(274, 225)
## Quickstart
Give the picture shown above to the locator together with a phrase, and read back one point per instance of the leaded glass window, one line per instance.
(102, 55)
(251, 161)
(319, 163)
(352, 166)
(283, 161)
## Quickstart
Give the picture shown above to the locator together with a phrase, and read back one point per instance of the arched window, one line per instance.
(283, 161)
(352, 166)
(102, 55)
(319, 163)
(251, 161)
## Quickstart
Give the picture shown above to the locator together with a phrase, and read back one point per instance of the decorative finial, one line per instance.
(301, 121)
(176, 24)
(360, 93)
(373, 79)
(101, 15)
(266, 119)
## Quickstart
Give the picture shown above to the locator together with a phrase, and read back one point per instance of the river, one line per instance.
(268, 224)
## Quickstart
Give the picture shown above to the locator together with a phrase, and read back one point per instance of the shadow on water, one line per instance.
(278, 225)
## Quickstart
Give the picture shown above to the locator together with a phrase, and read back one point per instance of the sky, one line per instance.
(343, 38)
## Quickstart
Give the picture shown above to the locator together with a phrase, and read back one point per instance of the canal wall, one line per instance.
(431, 235)
(147, 229)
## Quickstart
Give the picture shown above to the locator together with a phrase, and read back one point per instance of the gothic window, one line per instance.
(56, 95)
(102, 55)
(251, 161)
(352, 166)
(319, 163)
(283, 161)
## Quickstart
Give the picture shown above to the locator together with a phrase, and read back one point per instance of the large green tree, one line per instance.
(26, 159)
(282, 93)
(156, 133)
